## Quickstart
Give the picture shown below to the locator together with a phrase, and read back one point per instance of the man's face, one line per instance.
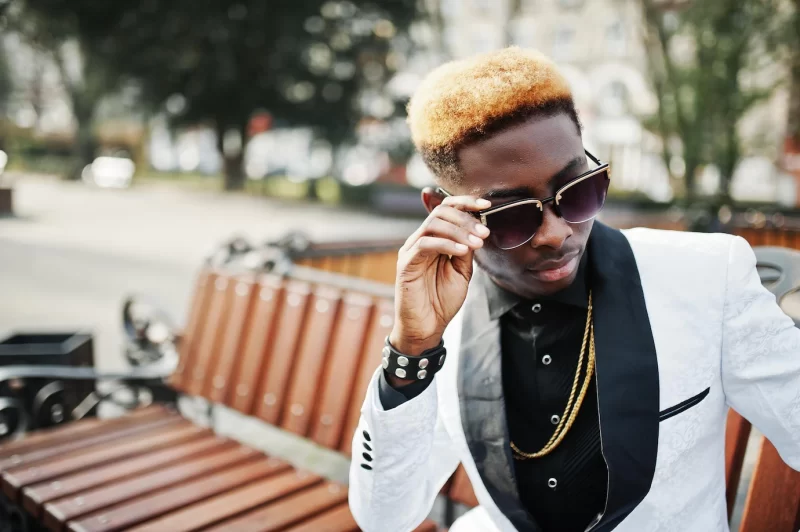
(531, 160)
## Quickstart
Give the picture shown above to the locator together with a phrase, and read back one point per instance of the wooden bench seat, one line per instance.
(296, 351)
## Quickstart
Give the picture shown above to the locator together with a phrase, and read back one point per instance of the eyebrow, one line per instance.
(565, 172)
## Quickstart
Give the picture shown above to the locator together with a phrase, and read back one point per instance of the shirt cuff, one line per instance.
(392, 397)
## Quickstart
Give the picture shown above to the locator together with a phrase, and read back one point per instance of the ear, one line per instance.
(430, 198)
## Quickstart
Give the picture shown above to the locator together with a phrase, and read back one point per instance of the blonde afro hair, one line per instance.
(466, 100)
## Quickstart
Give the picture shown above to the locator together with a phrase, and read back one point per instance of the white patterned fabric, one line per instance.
(714, 327)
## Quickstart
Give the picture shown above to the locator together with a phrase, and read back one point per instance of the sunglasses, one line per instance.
(579, 200)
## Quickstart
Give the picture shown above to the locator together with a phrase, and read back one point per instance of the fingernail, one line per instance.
(474, 239)
(461, 247)
(481, 229)
(483, 203)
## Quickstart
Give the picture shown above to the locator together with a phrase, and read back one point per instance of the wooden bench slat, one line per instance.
(336, 386)
(295, 508)
(321, 321)
(210, 333)
(161, 482)
(36, 495)
(737, 434)
(157, 504)
(255, 344)
(368, 361)
(239, 297)
(338, 519)
(773, 498)
(232, 503)
(75, 430)
(204, 288)
(95, 455)
(126, 427)
(278, 364)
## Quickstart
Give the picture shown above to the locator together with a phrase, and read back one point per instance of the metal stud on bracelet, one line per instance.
(422, 367)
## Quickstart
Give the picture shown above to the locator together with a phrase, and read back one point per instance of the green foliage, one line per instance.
(710, 63)
(318, 63)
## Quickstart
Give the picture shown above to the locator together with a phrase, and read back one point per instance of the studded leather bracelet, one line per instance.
(421, 368)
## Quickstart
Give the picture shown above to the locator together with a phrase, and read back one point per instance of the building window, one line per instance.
(570, 4)
(616, 39)
(563, 43)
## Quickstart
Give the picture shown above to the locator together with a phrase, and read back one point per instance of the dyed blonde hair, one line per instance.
(466, 100)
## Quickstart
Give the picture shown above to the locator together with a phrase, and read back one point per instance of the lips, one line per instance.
(553, 264)
(550, 272)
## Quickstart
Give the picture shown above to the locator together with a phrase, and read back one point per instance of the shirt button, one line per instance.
(536, 308)
(554, 419)
(546, 360)
(552, 483)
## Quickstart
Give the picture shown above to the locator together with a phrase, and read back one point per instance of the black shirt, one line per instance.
(541, 342)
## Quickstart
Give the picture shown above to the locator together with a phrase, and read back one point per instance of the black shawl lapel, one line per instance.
(483, 413)
(626, 372)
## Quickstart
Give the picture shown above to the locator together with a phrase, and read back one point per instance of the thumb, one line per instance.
(463, 265)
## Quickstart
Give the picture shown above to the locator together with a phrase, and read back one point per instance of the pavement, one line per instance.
(72, 252)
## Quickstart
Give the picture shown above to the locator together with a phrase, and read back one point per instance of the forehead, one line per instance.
(527, 155)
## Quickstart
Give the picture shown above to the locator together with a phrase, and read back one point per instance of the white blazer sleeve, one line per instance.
(760, 356)
(411, 459)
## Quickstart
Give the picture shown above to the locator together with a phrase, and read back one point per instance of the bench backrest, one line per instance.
(290, 349)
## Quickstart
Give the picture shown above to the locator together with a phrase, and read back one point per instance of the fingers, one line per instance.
(470, 203)
(440, 246)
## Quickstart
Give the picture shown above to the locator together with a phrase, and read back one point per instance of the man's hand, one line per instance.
(434, 268)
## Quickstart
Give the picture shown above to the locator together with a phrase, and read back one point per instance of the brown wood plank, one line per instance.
(255, 349)
(239, 297)
(317, 336)
(368, 361)
(773, 499)
(290, 510)
(338, 519)
(461, 490)
(124, 428)
(190, 338)
(76, 430)
(232, 503)
(95, 455)
(210, 334)
(278, 365)
(737, 433)
(162, 482)
(157, 504)
(39, 494)
(336, 386)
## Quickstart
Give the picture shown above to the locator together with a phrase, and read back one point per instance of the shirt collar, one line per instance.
(501, 300)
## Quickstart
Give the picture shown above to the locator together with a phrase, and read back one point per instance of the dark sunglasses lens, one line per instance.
(584, 200)
(514, 226)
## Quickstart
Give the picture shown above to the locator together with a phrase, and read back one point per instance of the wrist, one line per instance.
(413, 346)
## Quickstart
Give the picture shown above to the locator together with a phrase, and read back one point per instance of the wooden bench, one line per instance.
(295, 350)
(281, 348)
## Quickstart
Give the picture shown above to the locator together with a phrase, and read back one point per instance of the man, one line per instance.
(581, 374)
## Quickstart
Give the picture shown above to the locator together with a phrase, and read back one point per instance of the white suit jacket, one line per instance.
(683, 331)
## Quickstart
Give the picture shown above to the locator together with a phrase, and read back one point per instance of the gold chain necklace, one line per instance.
(571, 411)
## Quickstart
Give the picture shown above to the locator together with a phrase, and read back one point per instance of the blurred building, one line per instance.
(598, 47)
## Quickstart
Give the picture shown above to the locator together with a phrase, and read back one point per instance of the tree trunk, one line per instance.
(233, 161)
(84, 149)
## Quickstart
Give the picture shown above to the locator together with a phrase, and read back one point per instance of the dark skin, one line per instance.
(434, 266)
(527, 161)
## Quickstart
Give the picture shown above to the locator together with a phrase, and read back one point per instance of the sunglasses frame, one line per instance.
(555, 200)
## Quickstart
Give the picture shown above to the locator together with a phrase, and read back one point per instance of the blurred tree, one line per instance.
(319, 63)
(6, 88)
(84, 73)
(710, 63)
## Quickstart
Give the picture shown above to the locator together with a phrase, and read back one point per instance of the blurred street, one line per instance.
(72, 253)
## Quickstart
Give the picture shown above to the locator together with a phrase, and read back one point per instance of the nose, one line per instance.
(553, 232)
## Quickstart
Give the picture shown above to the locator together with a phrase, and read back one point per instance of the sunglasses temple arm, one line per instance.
(594, 159)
